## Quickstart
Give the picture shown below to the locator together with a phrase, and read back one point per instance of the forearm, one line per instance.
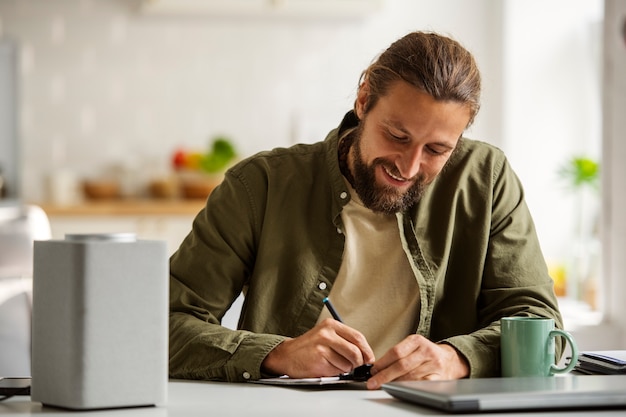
(201, 350)
(481, 348)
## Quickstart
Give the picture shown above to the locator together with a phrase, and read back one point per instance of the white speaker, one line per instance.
(100, 322)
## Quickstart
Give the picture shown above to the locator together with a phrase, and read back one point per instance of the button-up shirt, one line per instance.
(272, 230)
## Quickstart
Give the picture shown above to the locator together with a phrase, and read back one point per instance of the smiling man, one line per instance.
(420, 237)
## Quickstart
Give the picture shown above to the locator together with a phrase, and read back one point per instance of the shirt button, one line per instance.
(246, 375)
(321, 286)
(343, 195)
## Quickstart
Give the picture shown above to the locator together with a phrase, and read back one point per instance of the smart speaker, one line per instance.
(100, 322)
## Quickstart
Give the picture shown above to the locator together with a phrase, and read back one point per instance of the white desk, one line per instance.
(211, 399)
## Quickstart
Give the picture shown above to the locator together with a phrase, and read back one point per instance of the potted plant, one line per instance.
(581, 175)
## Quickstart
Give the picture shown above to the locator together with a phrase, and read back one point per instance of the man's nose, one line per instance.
(410, 162)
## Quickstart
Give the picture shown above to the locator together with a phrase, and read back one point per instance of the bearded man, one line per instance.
(421, 238)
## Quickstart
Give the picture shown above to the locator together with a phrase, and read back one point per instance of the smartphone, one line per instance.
(14, 386)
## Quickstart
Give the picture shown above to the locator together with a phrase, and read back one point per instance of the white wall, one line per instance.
(103, 85)
(614, 214)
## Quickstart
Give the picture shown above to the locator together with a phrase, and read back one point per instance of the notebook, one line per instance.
(607, 362)
(515, 394)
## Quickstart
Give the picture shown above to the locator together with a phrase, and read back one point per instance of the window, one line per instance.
(553, 120)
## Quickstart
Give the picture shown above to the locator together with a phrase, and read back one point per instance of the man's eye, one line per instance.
(434, 151)
(397, 138)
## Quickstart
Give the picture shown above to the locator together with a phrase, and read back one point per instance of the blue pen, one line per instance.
(332, 310)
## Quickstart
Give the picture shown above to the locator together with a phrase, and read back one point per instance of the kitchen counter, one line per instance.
(150, 218)
(126, 207)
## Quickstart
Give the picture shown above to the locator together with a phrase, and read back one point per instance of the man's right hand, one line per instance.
(330, 348)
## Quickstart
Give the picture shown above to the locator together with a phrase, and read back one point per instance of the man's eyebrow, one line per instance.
(396, 125)
(400, 127)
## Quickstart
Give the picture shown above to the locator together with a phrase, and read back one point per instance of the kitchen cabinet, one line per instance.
(168, 220)
(307, 9)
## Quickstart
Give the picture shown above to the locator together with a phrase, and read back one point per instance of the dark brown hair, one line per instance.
(435, 64)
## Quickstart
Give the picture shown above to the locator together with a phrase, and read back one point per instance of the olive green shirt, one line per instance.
(273, 230)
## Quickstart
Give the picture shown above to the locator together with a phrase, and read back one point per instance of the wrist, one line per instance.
(272, 364)
(460, 368)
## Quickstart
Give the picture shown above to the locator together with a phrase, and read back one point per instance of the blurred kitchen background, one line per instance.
(115, 86)
(108, 91)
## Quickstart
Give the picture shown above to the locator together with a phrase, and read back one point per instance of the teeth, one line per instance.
(393, 176)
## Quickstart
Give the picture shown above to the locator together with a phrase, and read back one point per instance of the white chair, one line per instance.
(20, 226)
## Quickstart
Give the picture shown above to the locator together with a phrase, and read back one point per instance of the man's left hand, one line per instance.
(415, 358)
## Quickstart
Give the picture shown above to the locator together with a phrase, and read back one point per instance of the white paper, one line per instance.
(285, 380)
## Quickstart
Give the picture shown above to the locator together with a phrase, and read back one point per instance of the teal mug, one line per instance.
(527, 347)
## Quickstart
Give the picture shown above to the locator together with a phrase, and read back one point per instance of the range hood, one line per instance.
(343, 9)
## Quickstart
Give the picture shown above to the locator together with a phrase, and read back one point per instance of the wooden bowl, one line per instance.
(164, 188)
(196, 188)
(101, 189)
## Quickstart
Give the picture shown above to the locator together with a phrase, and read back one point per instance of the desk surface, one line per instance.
(193, 398)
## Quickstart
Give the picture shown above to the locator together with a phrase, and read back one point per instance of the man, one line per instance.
(420, 237)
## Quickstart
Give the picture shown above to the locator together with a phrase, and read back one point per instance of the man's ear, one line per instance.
(361, 99)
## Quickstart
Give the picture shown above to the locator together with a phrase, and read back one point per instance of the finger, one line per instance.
(337, 364)
(307, 356)
(428, 361)
(332, 351)
(412, 367)
(357, 339)
(407, 346)
(405, 360)
(349, 343)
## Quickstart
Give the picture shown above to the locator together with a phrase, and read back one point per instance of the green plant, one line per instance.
(219, 156)
(581, 174)
(581, 171)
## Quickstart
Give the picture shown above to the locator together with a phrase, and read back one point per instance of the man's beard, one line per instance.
(381, 198)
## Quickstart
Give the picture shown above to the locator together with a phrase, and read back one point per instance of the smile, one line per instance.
(395, 177)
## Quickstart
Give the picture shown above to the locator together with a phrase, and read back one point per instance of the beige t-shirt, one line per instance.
(375, 292)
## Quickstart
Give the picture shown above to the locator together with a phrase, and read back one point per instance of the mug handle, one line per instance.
(555, 369)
